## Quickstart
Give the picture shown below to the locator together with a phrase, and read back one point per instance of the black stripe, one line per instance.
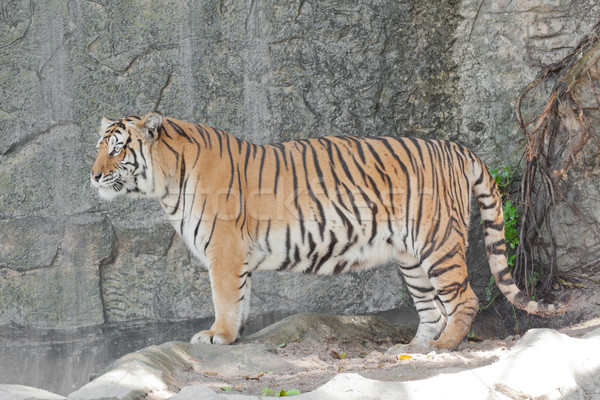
(373, 207)
(360, 169)
(248, 147)
(329, 253)
(163, 131)
(202, 133)
(212, 230)
(281, 148)
(348, 245)
(173, 151)
(420, 289)
(345, 220)
(218, 133)
(312, 264)
(449, 255)
(267, 243)
(456, 288)
(231, 169)
(318, 168)
(179, 130)
(340, 267)
(505, 281)
(296, 255)
(286, 263)
(484, 207)
(491, 225)
(386, 178)
(276, 170)
(200, 219)
(353, 203)
(343, 164)
(241, 207)
(311, 244)
(295, 183)
(480, 179)
(409, 153)
(435, 321)
(358, 143)
(260, 169)
(440, 271)
(322, 222)
(181, 182)
(497, 248)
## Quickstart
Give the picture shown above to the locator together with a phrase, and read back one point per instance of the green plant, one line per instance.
(281, 393)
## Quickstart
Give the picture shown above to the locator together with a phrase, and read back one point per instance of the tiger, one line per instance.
(321, 205)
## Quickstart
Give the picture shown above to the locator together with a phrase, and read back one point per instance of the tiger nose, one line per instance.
(96, 176)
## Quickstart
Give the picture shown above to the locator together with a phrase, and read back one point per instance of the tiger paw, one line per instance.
(211, 337)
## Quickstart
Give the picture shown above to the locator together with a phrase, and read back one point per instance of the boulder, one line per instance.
(138, 374)
(319, 327)
(19, 392)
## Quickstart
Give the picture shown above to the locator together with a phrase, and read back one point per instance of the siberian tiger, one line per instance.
(319, 206)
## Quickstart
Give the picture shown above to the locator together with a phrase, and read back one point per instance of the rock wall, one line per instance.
(265, 70)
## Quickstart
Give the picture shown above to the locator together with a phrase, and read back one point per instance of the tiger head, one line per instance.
(123, 164)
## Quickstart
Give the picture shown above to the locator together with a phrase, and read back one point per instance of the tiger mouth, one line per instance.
(109, 186)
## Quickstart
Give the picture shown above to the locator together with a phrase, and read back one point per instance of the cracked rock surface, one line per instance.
(265, 71)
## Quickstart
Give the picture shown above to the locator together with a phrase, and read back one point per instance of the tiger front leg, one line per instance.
(230, 292)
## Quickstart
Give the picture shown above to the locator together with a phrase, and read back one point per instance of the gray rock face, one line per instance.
(317, 327)
(263, 70)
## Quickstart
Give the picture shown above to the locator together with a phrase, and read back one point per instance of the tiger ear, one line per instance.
(104, 124)
(149, 125)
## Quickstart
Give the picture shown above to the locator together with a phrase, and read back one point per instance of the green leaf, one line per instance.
(293, 392)
(267, 391)
(227, 389)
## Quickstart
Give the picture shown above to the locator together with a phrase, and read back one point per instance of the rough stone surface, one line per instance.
(319, 327)
(266, 70)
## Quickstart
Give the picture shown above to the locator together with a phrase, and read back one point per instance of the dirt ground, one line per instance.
(318, 362)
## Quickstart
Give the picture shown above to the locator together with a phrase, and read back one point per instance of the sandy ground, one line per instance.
(317, 362)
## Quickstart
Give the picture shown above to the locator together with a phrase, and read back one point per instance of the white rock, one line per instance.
(18, 392)
(131, 380)
(196, 392)
(543, 363)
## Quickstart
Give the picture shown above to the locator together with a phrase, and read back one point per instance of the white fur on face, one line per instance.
(133, 175)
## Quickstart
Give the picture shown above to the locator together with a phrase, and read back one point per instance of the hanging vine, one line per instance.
(554, 137)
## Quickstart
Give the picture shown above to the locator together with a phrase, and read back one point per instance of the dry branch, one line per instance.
(562, 120)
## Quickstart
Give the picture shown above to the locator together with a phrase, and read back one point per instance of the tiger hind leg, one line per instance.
(449, 277)
(432, 315)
